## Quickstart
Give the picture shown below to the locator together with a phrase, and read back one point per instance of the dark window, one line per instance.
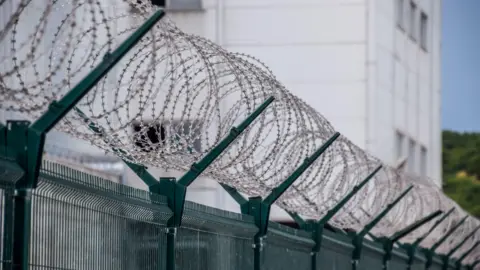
(424, 31)
(150, 135)
(172, 4)
(400, 13)
(413, 20)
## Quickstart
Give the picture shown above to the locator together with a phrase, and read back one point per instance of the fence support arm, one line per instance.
(402, 233)
(256, 203)
(390, 241)
(176, 191)
(474, 264)
(463, 241)
(445, 237)
(446, 258)
(260, 209)
(464, 255)
(58, 109)
(24, 141)
(357, 240)
(233, 192)
(198, 168)
(434, 226)
(429, 252)
(318, 227)
(278, 191)
(412, 248)
(298, 219)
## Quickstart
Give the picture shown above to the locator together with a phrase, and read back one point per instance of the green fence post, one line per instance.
(446, 258)
(176, 190)
(317, 227)
(431, 251)
(357, 240)
(24, 141)
(260, 209)
(7, 228)
(464, 255)
(388, 242)
(412, 249)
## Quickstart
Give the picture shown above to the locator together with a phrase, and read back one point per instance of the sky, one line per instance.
(461, 65)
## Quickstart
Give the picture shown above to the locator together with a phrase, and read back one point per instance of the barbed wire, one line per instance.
(175, 95)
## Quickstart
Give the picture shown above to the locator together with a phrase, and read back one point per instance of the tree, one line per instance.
(461, 169)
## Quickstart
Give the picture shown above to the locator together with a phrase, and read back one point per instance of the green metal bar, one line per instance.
(389, 207)
(357, 240)
(331, 213)
(142, 172)
(463, 241)
(474, 264)
(176, 190)
(464, 255)
(28, 144)
(452, 230)
(278, 191)
(317, 227)
(58, 109)
(235, 194)
(389, 242)
(198, 168)
(434, 226)
(402, 233)
(22, 231)
(412, 249)
(298, 219)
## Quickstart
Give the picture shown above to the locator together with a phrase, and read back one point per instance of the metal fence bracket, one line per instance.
(357, 240)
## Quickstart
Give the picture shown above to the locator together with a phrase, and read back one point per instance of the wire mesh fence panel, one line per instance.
(9, 175)
(418, 262)
(287, 248)
(437, 264)
(214, 239)
(399, 260)
(84, 222)
(372, 256)
(335, 252)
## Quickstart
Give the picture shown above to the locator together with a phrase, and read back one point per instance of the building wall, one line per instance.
(404, 86)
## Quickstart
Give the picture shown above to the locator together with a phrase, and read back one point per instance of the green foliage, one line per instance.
(465, 190)
(461, 152)
(461, 169)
